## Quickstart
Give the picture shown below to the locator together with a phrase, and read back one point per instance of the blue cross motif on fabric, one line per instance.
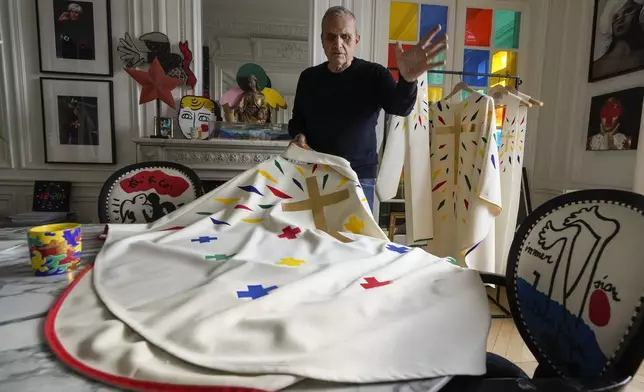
(398, 249)
(203, 240)
(255, 291)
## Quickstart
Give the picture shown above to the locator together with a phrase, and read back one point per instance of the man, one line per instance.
(337, 103)
(75, 35)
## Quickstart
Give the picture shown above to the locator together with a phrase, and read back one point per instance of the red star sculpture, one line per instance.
(156, 84)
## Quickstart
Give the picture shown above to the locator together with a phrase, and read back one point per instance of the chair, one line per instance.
(144, 192)
(575, 284)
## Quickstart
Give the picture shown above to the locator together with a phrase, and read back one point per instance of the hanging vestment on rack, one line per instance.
(511, 148)
(466, 190)
(408, 144)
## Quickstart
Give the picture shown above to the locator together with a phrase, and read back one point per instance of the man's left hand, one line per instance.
(415, 61)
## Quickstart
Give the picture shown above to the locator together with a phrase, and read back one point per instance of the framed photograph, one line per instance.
(614, 121)
(78, 121)
(617, 39)
(167, 128)
(52, 196)
(74, 37)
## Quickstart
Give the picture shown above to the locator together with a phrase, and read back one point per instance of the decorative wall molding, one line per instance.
(250, 29)
(281, 53)
(219, 159)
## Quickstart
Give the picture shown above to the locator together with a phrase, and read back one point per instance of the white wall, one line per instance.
(271, 33)
(561, 161)
(21, 159)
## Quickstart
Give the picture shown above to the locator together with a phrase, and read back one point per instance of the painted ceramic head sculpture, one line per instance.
(195, 115)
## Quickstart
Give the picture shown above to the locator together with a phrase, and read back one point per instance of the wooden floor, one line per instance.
(505, 340)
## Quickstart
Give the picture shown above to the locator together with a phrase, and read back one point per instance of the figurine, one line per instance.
(252, 108)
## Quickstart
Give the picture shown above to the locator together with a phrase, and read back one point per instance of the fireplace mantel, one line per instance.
(216, 159)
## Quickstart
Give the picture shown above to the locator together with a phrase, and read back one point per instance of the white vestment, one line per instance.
(511, 149)
(466, 190)
(408, 144)
(280, 275)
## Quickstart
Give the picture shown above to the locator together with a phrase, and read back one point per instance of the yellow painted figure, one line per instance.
(54, 249)
(195, 115)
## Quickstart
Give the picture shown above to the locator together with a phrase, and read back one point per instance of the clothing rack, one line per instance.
(516, 78)
(496, 300)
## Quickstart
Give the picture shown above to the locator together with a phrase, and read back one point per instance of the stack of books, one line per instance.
(38, 218)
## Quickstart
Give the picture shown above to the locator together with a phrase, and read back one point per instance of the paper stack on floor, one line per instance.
(280, 275)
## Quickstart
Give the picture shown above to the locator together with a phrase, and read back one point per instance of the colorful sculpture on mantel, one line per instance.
(156, 85)
(136, 53)
(251, 102)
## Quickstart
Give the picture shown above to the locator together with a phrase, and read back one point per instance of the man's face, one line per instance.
(339, 40)
(74, 15)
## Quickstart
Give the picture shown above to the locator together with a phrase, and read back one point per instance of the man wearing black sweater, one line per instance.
(337, 103)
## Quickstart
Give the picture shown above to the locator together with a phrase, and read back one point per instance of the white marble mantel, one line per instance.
(216, 159)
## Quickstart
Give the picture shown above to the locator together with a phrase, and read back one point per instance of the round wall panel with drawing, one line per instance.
(575, 282)
(144, 192)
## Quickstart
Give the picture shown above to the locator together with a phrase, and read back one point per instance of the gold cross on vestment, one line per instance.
(505, 139)
(456, 130)
(316, 203)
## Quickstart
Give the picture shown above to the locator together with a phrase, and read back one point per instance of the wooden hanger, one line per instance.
(460, 86)
(500, 90)
(533, 101)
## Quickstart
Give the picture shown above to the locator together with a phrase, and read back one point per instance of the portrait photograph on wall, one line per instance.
(74, 37)
(617, 39)
(78, 121)
(614, 122)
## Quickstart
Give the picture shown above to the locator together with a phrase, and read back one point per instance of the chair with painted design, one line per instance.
(144, 192)
(575, 284)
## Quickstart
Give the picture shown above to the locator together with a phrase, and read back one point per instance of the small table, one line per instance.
(27, 364)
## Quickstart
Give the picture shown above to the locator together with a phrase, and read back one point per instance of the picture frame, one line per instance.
(167, 128)
(614, 120)
(74, 37)
(616, 29)
(393, 222)
(78, 121)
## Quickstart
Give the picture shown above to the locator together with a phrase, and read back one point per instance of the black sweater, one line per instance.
(338, 112)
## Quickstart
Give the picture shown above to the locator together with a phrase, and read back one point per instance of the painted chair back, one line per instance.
(144, 192)
(576, 283)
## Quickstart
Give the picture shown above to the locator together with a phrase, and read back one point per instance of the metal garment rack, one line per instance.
(517, 79)
(496, 300)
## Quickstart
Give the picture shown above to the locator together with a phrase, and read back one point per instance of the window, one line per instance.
(486, 40)
(408, 23)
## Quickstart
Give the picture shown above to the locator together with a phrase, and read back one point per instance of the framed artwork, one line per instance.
(78, 121)
(74, 37)
(614, 122)
(167, 128)
(617, 44)
(52, 196)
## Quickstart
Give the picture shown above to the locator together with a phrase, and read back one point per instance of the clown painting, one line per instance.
(615, 121)
(618, 38)
(195, 116)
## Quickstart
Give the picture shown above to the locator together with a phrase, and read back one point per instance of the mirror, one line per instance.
(253, 49)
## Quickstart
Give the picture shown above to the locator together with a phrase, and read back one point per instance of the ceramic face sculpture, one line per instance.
(195, 115)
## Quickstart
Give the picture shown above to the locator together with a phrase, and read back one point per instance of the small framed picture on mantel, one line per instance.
(74, 37)
(78, 121)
